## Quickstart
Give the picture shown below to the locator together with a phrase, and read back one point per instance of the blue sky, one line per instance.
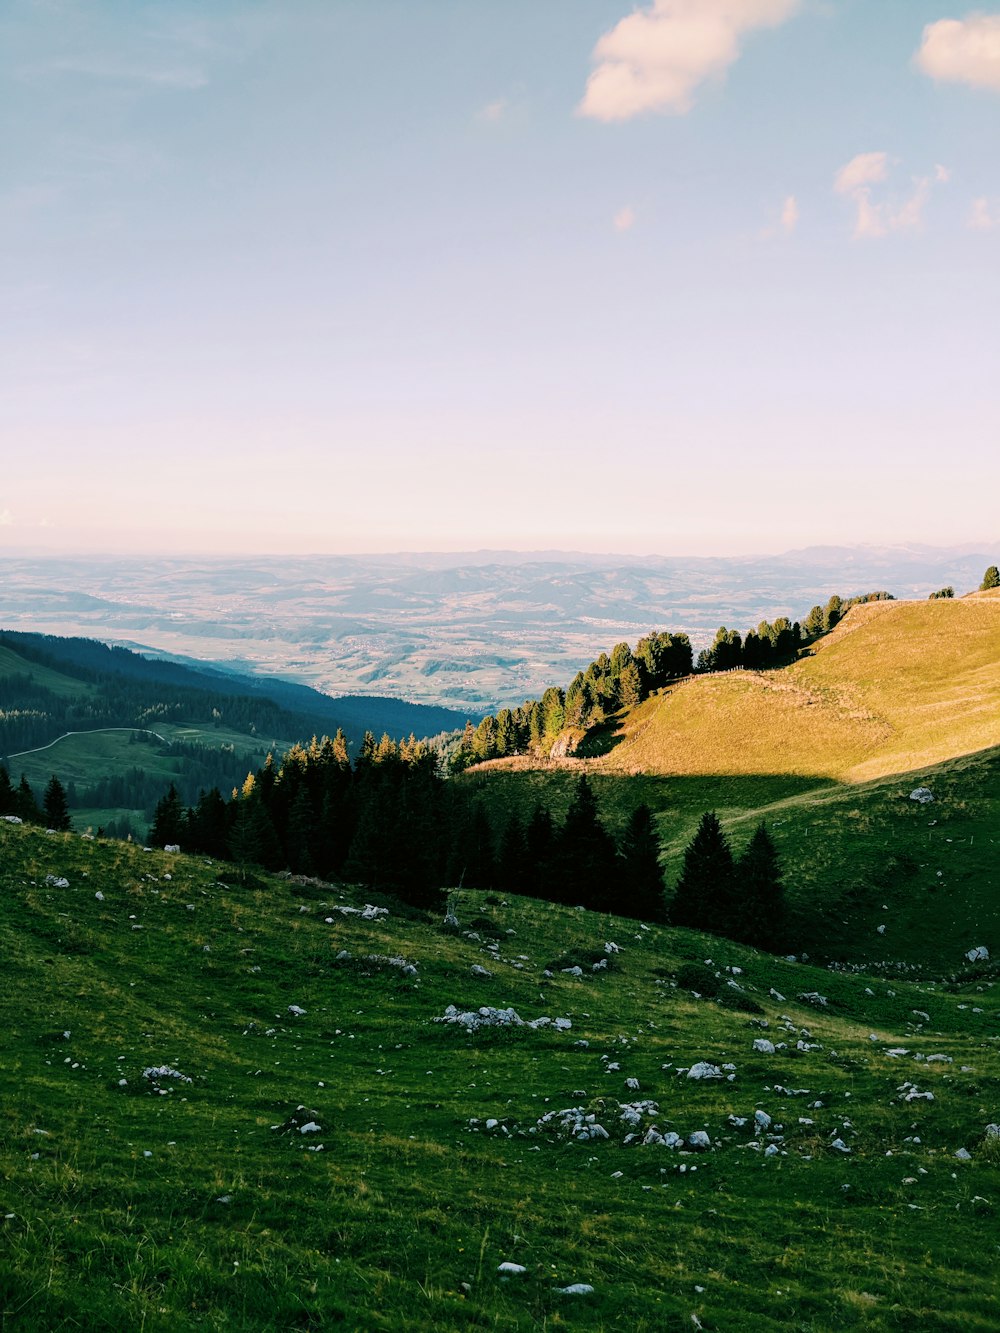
(704, 276)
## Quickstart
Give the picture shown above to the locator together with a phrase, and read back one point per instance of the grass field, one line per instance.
(122, 1207)
(895, 687)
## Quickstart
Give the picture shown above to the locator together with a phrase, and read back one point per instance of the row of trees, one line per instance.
(740, 897)
(608, 684)
(52, 812)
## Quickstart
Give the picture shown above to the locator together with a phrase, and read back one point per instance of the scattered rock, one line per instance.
(978, 954)
(922, 794)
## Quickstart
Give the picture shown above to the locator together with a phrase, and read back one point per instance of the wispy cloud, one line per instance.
(6, 518)
(790, 215)
(963, 51)
(493, 111)
(982, 217)
(655, 58)
(624, 219)
(178, 77)
(865, 169)
(875, 217)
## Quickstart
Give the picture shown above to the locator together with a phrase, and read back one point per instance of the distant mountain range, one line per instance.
(473, 629)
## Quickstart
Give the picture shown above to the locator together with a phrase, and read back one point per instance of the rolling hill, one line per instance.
(895, 687)
(827, 751)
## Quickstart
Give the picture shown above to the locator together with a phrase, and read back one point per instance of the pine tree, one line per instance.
(168, 824)
(8, 799)
(512, 858)
(586, 854)
(55, 808)
(705, 895)
(25, 804)
(539, 840)
(991, 579)
(640, 876)
(761, 892)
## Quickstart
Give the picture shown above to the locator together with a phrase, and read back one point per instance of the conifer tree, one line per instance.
(55, 807)
(640, 877)
(512, 857)
(25, 804)
(705, 895)
(8, 798)
(539, 839)
(168, 820)
(991, 579)
(761, 892)
(586, 854)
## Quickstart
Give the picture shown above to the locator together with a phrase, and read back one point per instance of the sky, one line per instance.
(689, 277)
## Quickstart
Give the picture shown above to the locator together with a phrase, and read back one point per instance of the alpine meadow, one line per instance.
(500, 667)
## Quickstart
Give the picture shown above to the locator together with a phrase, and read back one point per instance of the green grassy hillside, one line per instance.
(155, 1202)
(855, 856)
(895, 687)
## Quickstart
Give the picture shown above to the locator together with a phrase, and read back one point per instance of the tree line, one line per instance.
(625, 678)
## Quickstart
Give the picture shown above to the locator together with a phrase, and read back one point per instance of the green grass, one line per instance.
(855, 856)
(401, 1221)
(66, 687)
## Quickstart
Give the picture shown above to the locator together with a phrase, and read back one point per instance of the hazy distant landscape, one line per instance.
(485, 628)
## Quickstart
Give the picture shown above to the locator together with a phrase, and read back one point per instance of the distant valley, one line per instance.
(467, 630)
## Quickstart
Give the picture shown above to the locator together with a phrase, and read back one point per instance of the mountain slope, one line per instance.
(896, 686)
(189, 1195)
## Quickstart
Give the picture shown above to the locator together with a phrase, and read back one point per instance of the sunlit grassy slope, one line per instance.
(895, 687)
(121, 1208)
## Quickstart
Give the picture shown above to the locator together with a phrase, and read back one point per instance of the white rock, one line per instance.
(992, 1131)
(632, 1084)
(964, 1155)
(762, 1120)
(296, 1011)
(11, 819)
(172, 847)
(699, 1140)
(572, 971)
(99, 896)
(479, 971)
(840, 1145)
(310, 1127)
(511, 1268)
(922, 794)
(978, 954)
(704, 1070)
(576, 1289)
(764, 1046)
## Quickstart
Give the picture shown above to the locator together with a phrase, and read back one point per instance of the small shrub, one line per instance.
(698, 977)
(743, 1004)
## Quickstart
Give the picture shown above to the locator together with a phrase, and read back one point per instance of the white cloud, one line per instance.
(865, 169)
(624, 219)
(493, 110)
(963, 51)
(790, 215)
(877, 217)
(655, 58)
(982, 218)
(6, 518)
